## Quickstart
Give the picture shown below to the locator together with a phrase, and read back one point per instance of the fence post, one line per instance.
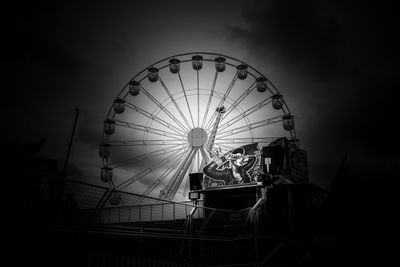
(140, 213)
(151, 212)
(100, 205)
(174, 211)
(290, 210)
(254, 226)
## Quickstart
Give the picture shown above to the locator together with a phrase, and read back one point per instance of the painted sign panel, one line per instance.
(238, 166)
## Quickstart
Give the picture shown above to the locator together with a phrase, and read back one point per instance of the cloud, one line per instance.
(296, 32)
(346, 54)
(326, 38)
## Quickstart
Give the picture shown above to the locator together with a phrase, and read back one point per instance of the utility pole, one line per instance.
(71, 140)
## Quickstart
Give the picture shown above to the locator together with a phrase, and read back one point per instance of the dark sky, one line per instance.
(336, 63)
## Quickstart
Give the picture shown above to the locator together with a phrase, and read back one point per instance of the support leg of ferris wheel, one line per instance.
(172, 187)
(206, 157)
(164, 191)
(159, 180)
(171, 194)
(187, 184)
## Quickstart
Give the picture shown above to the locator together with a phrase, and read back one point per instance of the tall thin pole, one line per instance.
(70, 141)
(198, 100)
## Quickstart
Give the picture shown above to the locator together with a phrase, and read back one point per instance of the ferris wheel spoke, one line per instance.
(148, 155)
(163, 108)
(182, 174)
(154, 118)
(207, 155)
(249, 127)
(198, 99)
(187, 102)
(161, 178)
(222, 101)
(145, 172)
(209, 99)
(160, 142)
(239, 100)
(148, 129)
(241, 140)
(174, 102)
(198, 159)
(158, 181)
(173, 185)
(245, 113)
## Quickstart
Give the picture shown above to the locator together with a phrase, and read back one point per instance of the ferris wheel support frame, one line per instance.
(175, 134)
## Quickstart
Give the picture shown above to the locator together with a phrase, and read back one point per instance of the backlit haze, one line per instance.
(333, 63)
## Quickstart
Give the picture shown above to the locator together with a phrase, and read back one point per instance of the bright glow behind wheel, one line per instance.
(164, 123)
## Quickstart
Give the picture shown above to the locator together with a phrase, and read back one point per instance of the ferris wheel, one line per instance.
(177, 114)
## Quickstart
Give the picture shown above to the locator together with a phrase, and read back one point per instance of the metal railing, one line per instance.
(157, 212)
(208, 236)
(87, 204)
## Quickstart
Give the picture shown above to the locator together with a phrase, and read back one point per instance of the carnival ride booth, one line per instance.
(248, 167)
(272, 181)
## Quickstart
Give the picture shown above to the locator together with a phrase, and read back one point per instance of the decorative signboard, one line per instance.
(283, 160)
(238, 166)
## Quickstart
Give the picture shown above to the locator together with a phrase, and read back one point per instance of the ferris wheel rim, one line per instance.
(188, 60)
(285, 110)
(234, 103)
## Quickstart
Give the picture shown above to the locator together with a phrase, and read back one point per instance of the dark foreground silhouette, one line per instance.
(298, 225)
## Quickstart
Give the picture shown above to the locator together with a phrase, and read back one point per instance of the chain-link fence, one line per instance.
(157, 212)
(183, 230)
(84, 196)
(100, 206)
(83, 204)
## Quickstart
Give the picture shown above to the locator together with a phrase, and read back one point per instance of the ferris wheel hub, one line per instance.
(197, 137)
